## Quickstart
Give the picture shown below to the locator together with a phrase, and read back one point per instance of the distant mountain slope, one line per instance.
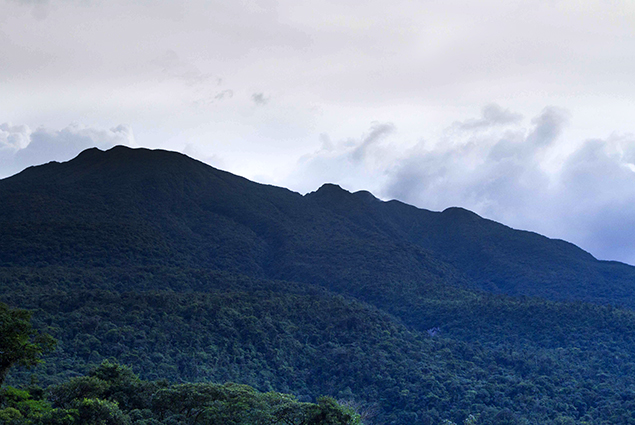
(491, 255)
(128, 207)
(141, 207)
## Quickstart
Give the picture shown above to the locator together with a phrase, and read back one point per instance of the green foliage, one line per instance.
(105, 401)
(100, 412)
(20, 344)
(11, 416)
(328, 412)
(18, 407)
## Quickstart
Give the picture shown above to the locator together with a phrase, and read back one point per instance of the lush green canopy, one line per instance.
(112, 395)
(20, 344)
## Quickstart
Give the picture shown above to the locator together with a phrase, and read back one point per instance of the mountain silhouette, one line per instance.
(129, 206)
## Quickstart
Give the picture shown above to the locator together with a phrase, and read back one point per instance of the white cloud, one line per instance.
(498, 172)
(21, 147)
(259, 99)
(596, 197)
(173, 66)
(14, 137)
(377, 132)
(356, 163)
(493, 114)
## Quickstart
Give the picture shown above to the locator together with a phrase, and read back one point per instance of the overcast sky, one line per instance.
(522, 111)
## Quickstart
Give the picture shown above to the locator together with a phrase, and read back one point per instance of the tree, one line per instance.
(329, 412)
(20, 344)
(101, 412)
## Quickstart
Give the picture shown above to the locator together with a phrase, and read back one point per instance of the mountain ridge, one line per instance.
(191, 213)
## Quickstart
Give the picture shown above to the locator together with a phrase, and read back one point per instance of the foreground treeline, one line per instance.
(493, 359)
(112, 395)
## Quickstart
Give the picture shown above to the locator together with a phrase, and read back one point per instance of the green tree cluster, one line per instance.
(112, 395)
(20, 344)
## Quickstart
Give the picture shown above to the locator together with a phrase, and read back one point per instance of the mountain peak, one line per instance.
(330, 193)
(331, 188)
(121, 151)
(365, 196)
(335, 191)
(134, 160)
(92, 153)
(454, 213)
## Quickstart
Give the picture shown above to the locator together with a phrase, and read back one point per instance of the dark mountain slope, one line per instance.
(129, 207)
(139, 207)
(492, 256)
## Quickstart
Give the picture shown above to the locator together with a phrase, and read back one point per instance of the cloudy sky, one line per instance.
(521, 111)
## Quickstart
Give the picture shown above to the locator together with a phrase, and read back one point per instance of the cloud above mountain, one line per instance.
(374, 97)
(520, 173)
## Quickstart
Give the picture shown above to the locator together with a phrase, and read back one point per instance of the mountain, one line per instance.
(140, 207)
(189, 273)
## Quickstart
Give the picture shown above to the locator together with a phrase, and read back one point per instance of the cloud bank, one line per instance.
(516, 171)
(21, 147)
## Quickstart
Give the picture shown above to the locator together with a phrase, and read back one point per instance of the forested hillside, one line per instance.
(127, 207)
(190, 274)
